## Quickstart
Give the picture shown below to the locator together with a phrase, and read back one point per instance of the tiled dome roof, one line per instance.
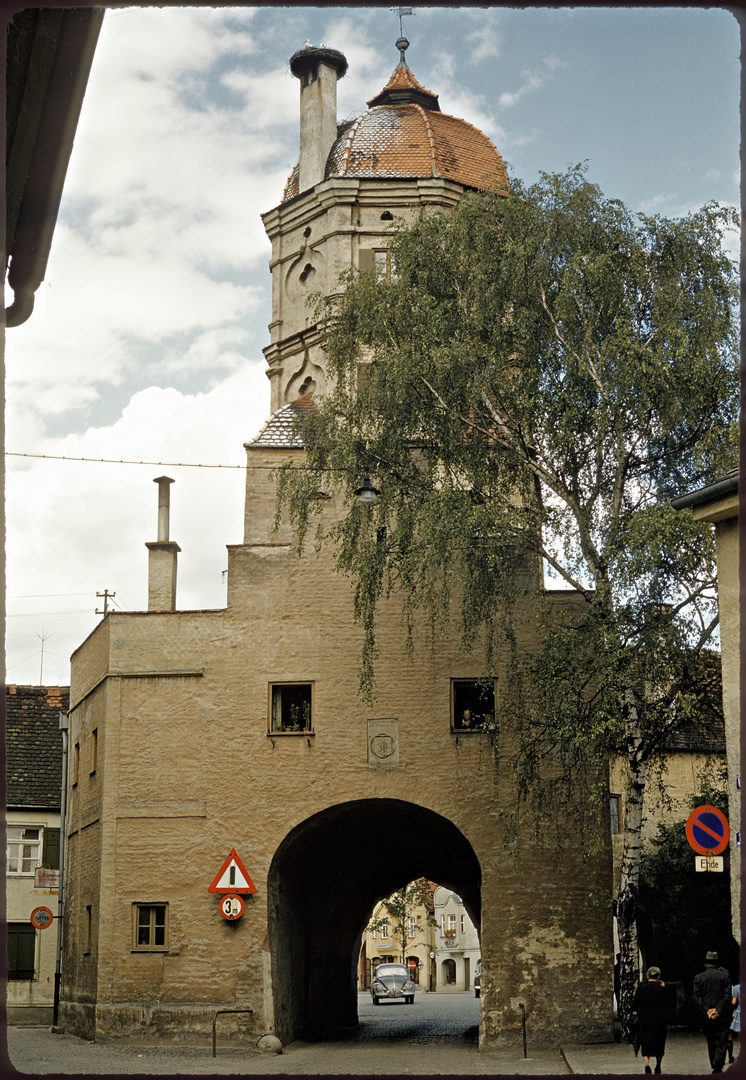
(404, 135)
(279, 431)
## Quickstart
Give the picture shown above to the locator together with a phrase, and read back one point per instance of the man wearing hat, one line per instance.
(712, 1000)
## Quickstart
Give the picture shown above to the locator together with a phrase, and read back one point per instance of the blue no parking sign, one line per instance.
(707, 830)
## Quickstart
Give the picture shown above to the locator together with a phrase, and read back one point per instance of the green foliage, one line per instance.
(686, 913)
(540, 377)
(542, 374)
(404, 904)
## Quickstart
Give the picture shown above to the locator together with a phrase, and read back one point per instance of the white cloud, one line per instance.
(96, 518)
(486, 43)
(509, 98)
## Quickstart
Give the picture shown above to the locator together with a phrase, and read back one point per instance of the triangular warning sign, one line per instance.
(232, 877)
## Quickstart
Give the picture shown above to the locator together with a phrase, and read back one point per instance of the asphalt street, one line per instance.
(435, 1036)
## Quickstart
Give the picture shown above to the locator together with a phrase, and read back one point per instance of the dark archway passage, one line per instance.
(324, 879)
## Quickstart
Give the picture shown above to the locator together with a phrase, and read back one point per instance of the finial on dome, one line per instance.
(402, 44)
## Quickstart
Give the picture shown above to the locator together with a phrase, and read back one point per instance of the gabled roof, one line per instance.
(34, 745)
(278, 432)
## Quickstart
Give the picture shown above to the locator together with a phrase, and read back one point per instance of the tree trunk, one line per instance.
(626, 908)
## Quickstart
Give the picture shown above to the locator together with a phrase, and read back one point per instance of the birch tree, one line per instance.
(540, 376)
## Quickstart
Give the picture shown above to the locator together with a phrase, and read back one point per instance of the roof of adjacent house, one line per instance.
(404, 135)
(34, 745)
(279, 431)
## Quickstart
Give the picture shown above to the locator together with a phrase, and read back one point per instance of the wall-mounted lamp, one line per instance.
(367, 493)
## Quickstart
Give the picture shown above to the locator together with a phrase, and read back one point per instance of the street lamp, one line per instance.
(367, 493)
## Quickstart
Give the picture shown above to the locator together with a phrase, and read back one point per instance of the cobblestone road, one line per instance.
(435, 1036)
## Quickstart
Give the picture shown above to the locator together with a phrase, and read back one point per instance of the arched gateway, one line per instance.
(196, 733)
(323, 882)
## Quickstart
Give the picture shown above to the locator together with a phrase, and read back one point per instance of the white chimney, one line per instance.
(318, 70)
(163, 555)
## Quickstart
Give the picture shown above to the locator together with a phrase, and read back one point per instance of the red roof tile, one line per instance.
(404, 135)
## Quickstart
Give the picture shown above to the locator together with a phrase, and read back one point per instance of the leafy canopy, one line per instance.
(541, 375)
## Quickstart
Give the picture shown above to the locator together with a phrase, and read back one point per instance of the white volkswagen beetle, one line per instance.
(391, 982)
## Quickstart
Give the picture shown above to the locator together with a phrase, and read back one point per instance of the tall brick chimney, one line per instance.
(318, 70)
(163, 555)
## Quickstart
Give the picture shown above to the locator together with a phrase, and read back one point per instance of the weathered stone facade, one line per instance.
(189, 716)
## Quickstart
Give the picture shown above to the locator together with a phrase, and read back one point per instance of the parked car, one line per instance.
(392, 982)
(478, 979)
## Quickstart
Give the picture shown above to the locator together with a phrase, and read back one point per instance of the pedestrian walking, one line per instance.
(651, 1003)
(735, 1024)
(712, 1000)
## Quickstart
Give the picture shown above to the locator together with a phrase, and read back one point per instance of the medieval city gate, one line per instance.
(187, 725)
(323, 882)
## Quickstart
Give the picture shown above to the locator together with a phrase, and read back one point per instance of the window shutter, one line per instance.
(366, 259)
(51, 857)
(21, 951)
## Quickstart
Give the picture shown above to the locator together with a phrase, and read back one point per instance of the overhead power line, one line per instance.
(121, 461)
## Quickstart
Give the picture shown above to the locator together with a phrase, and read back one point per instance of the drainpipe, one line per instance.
(64, 724)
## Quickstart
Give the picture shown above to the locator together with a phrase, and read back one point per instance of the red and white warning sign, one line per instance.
(232, 877)
(231, 907)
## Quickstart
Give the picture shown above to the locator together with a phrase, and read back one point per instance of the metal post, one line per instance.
(64, 724)
(523, 1025)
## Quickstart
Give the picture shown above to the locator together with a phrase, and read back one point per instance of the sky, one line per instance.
(145, 344)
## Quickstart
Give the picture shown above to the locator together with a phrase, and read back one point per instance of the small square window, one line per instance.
(472, 704)
(150, 927)
(290, 708)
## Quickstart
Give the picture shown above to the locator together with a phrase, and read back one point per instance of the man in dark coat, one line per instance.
(712, 1000)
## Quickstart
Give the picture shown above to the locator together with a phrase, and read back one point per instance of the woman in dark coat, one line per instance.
(651, 1003)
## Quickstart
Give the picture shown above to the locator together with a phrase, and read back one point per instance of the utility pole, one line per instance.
(107, 596)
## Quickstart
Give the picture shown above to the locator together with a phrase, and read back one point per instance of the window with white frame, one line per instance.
(23, 850)
(451, 922)
(384, 930)
(411, 927)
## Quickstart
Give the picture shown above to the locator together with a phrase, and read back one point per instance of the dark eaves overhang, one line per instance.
(48, 56)
(707, 494)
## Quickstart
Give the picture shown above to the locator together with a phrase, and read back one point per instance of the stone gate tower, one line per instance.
(199, 734)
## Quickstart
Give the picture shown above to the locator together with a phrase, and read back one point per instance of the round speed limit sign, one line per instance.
(41, 918)
(231, 907)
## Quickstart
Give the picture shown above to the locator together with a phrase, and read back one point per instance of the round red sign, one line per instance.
(41, 918)
(231, 907)
(707, 830)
